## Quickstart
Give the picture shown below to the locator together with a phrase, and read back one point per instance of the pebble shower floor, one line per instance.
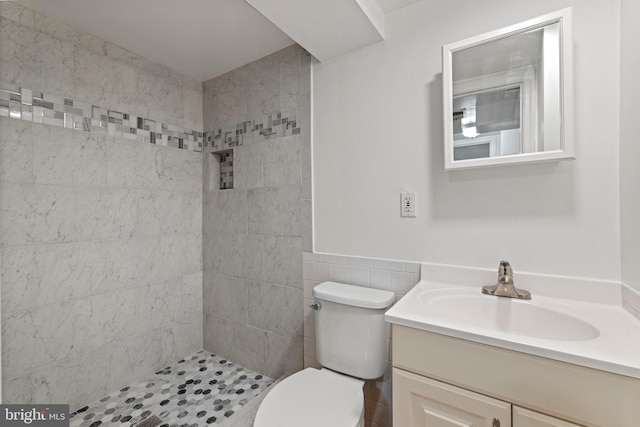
(201, 389)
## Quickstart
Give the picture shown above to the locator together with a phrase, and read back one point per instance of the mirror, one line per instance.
(507, 95)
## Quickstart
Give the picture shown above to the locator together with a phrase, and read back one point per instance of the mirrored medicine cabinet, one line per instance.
(508, 95)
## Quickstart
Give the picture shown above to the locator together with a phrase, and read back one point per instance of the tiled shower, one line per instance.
(110, 194)
(145, 216)
(100, 228)
(255, 228)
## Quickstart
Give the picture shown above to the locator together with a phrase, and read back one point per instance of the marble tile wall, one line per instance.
(101, 267)
(100, 237)
(390, 275)
(44, 55)
(254, 234)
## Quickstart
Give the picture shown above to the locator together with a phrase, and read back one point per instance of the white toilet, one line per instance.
(352, 343)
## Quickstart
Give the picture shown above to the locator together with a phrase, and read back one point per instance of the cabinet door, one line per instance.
(420, 401)
(526, 418)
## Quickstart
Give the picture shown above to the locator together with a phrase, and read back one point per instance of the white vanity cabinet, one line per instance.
(423, 402)
(420, 401)
(441, 381)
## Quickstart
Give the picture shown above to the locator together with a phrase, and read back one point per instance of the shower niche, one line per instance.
(221, 170)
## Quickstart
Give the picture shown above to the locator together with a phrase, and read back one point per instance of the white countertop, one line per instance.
(615, 349)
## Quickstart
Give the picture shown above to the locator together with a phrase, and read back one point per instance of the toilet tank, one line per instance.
(351, 334)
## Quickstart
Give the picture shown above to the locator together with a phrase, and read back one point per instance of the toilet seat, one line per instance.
(313, 398)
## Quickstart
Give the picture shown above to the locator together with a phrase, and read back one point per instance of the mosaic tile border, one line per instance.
(26, 104)
(276, 125)
(39, 107)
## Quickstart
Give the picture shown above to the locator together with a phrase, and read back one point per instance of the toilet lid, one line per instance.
(312, 398)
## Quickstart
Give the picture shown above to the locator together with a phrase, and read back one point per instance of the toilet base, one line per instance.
(313, 398)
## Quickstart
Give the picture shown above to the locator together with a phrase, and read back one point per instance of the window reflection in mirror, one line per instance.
(504, 95)
(487, 123)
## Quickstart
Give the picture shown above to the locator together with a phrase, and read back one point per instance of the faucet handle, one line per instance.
(505, 286)
(505, 269)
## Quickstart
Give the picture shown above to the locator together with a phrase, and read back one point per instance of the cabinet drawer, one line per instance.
(525, 418)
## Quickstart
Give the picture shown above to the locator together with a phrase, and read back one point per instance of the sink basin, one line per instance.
(571, 320)
(511, 316)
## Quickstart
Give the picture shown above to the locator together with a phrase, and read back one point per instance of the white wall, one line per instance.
(378, 131)
(630, 144)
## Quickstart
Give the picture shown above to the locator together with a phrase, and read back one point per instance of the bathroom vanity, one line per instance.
(449, 379)
(461, 358)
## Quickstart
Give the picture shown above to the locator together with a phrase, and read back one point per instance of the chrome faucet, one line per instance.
(505, 286)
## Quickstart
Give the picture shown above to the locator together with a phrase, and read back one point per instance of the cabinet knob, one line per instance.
(496, 423)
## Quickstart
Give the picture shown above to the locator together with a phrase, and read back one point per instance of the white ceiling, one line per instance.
(199, 38)
(326, 28)
(389, 6)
